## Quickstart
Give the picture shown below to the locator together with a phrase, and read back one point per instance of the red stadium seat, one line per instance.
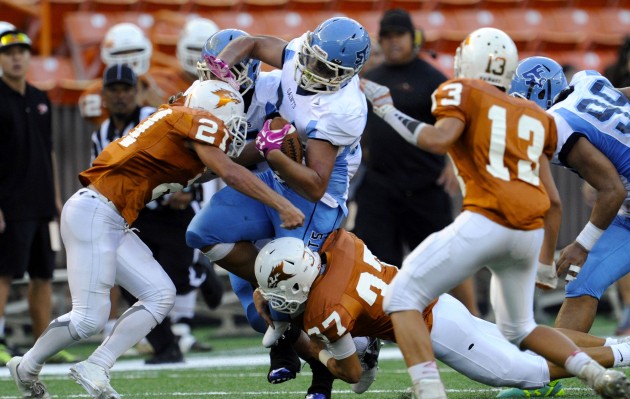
(45, 72)
(433, 25)
(502, 4)
(456, 4)
(287, 25)
(410, 5)
(360, 5)
(263, 5)
(238, 20)
(566, 29)
(19, 12)
(153, 6)
(548, 3)
(113, 6)
(311, 5)
(207, 7)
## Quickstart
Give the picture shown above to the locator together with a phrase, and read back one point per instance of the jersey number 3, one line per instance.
(529, 129)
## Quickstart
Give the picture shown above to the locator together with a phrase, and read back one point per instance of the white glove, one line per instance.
(379, 96)
(546, 276)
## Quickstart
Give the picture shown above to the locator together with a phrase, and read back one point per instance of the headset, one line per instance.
(418, 38)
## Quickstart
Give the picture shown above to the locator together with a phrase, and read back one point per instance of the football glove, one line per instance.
(379, 96)
(268, 140)
(221, 70)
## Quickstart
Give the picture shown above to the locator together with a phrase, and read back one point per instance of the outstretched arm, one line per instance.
(436, 139)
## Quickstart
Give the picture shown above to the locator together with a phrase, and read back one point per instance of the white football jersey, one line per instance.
(337, 117)
(600, 113)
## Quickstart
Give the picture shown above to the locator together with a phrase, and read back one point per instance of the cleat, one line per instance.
(272, 335)
(63, 357)
(554, 388)
(612, 384)
(29, 388)
(280, 375)
(94, 379)
(369, 364)
(284, 361)
(316, 396)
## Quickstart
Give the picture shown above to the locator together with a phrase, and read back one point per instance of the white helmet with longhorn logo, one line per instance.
(285, 269)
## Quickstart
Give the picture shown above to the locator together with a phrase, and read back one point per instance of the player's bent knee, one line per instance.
(86, 326)
(219, 251)
(516, 333)
(160, 302)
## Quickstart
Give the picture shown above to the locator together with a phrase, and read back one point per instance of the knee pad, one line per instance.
(219, 251)
(516, 333)
(159, 302)
(85, 325)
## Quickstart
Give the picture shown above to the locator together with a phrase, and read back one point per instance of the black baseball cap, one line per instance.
(119, 73)
(12, 38)
(396, 20)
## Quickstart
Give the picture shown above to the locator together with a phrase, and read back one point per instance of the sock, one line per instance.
(576, 361)
(611, 341)
(59, 335)
(131, 327)
(621, 352)
(424, 371)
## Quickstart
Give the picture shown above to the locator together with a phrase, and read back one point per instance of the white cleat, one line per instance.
(368, 349)
(429, 389)
(272, 335)
(33, 388)
(608, 384)
(94, 379)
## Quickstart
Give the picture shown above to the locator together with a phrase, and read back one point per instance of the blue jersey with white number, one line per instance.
(601, 114)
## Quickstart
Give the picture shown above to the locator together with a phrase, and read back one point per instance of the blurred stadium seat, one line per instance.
(287, 25)
(153, 6)
(565, 29)
(548, 3)
(360, 5)
(19, 12)
(456, 4)
(238, 20)
(207, 7)
(311, 5)
(45, 72)
(412, 4)
(502, 4)
(433, 24)
(113, 6)
(263, 5)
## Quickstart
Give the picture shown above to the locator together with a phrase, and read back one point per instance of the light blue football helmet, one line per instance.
(245, 72)
(331, 55)
(539, 79)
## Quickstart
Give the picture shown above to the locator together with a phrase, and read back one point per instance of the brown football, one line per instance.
(291, 145)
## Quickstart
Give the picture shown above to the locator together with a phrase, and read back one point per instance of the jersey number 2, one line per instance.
(207, 132)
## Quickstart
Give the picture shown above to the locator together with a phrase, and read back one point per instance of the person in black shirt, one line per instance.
(405, 192)
(29, 191)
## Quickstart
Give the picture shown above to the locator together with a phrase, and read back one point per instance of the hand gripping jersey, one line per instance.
(155, 158)
(497, 156)
(601, 114)
(348, 296)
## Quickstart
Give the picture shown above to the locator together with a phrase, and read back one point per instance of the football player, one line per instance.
(166, 152)
(337, 294)
(501, 147)
(592, 118)
(322, 99)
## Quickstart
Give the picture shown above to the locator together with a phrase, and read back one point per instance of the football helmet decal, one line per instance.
(488, 54)
(539, 79)
(331, 55)
(285, 270)
(126, 43)
(191, 40)
(246, 72)
(220, 99)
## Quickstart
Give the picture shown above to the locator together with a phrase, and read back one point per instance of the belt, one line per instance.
(100, 197)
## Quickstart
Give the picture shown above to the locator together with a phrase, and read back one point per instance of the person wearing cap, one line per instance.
(29, 191)
(409, 188)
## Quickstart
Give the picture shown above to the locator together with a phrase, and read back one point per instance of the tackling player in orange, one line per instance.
(164, 153)
(336, 296)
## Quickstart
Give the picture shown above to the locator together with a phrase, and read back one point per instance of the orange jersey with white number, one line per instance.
(154, 158)
(498, 154)
(154, 89)
(348, 296)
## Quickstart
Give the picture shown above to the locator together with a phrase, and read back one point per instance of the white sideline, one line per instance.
(197, 362)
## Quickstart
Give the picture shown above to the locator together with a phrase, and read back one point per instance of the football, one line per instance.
(291, 145)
